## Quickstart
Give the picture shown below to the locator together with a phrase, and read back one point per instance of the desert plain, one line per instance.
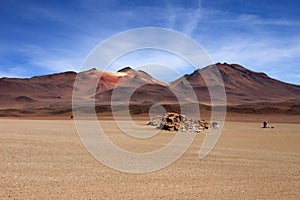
(45, 159)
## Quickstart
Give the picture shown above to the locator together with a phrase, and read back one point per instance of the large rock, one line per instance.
(174, 122)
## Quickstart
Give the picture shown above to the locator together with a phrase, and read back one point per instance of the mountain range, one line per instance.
(50, 95)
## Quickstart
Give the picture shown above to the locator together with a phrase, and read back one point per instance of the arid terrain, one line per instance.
(45, 159)
(142, 100)
(42, 156)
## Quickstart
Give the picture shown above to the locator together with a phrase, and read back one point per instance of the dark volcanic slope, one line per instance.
(36, 90)
(242, 86)
(52, 94)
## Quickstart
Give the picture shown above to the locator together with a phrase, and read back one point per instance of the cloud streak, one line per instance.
(57, 38)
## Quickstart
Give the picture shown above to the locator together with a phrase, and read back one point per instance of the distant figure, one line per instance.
(265, 124)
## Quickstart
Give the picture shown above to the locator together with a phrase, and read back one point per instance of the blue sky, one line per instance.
(42, 37)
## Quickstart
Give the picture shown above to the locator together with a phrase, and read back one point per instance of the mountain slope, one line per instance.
(242, 86)
(52, 94)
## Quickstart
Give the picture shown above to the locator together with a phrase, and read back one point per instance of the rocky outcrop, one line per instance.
(178, 122)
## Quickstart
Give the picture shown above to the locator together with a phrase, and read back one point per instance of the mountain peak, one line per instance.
(125, 69)
(231, 66)
(141, 71)
(92, 69)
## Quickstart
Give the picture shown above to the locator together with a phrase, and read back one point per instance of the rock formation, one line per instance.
(178, 122)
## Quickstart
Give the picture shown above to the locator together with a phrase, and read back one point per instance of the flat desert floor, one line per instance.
(45, 159)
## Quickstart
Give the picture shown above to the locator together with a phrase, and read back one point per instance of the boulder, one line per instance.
(177, 122)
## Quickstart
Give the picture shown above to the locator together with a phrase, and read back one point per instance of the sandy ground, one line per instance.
(44, 159)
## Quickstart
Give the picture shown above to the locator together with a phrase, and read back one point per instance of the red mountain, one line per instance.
(52, 94)
(242, 86)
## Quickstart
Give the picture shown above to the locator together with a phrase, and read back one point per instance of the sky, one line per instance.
(43, 37)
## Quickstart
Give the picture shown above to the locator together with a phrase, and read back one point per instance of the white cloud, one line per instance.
(251, 44)
(52, 60)
(161, 40)
(192, 20)
(13, 72)
(256, 52)
(276, 58)
(159, 64)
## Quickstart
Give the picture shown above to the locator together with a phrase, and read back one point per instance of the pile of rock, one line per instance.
(178, 122)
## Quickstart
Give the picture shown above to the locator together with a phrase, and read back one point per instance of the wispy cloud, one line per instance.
(13, 72)
(160, 64)
(276, 58)
(184, 19)
(192, 20)
(58, 38)
(256, 52)
(53, 60)
(251, 19)
(162, 46)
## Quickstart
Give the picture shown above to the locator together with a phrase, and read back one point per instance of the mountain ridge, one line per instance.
(53, 93)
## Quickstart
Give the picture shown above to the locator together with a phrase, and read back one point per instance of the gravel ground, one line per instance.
(45, 159)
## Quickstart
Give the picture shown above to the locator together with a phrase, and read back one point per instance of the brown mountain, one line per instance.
(246, 91)
(242, 86)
